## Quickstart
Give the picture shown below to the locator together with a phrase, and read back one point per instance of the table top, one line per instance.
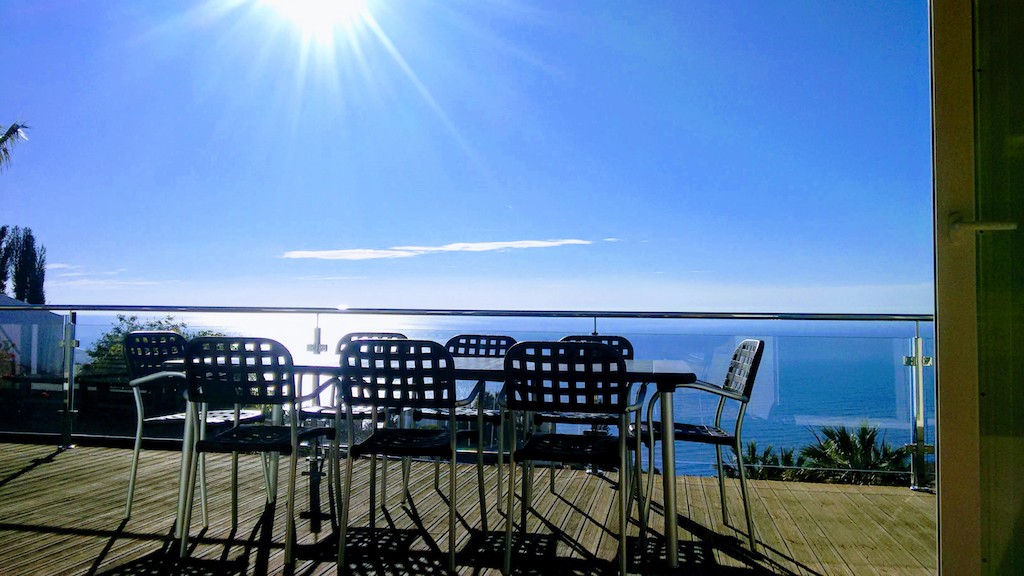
(492, 369)
(652, 371)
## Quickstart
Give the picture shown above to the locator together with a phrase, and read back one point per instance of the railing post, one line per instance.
(919, 448)
(316, 347)
(68, 412)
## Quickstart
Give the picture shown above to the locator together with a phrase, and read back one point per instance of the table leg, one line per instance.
(668, 476)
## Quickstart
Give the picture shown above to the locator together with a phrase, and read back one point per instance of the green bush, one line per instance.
(839, 455)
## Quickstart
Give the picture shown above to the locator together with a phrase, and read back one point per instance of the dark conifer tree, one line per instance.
(5, 263)
(25, 264)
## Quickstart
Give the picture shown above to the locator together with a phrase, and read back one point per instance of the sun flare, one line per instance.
(319, 19)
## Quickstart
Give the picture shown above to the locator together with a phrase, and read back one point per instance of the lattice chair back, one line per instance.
(145, 352)
(566, 376)
(620, 343)
(367, 336)
(397, 374)
(743, 367)
(239, 370)
(479, 345)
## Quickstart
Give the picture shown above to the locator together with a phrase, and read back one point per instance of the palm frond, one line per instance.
(12, 135)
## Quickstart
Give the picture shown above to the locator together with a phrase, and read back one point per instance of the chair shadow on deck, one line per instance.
(384, 550)
(699, 555)
(166, 561)
(35, 463)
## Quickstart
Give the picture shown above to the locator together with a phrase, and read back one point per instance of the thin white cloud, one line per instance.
(410, 251)
(58, 266)
(76, 276)
(329, 278)
(354, 254)
(99, 283)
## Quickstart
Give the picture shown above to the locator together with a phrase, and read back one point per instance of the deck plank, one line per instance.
(60, 513)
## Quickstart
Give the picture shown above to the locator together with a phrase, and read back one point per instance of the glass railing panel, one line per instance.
(32, 389)
(814, 373)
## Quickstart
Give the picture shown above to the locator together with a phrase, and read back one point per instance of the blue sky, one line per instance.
(506, 154)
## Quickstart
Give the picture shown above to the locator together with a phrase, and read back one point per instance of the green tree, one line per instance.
(5, 260)
(107, 353)
(25, 264)
(855, 456)
(11, 136)
(37, 293)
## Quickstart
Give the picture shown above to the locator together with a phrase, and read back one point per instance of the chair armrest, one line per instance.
(638, 400)
(472, 395)
(713, 389)
(155, 379)
(315, 393)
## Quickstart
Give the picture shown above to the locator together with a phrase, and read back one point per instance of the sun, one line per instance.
(320, 19)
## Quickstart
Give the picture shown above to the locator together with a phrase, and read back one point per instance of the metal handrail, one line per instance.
(868, 317)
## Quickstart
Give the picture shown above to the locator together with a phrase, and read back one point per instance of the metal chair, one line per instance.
(245, 371)
(737, 387)
(146, 355)
(312, 408)
(620, 343)
(626, 349)
(587, 380)
(475, 346)
(397, 374)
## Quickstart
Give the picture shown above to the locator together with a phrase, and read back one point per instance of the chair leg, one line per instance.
(333, 484)
(721, 484)
(650, 484)
(406, 473)
(510, 491)
(315, 462)
(289, 523)
(202, 491)
(373, 492)
(451, 513)
(624, 498)
(480, 478)
(527, 493)
(501, 455)
(234, 490)
(187, 449)
(271, 467)
(134, 468)
(746, 498)
(636, 493)
(190, 491)
(383, 480)
(343, 522)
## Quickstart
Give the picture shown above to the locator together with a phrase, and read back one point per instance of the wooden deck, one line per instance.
(60, 513)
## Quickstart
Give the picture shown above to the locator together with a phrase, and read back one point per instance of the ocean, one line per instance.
(813, 373)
